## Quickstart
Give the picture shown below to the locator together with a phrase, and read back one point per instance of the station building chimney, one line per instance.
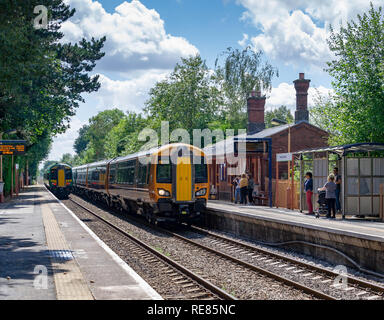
(301, 86)
(255, 109)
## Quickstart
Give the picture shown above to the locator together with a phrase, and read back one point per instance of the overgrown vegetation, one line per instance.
(41, 78)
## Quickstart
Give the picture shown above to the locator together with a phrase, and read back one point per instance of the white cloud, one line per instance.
(127, 94)
(285, 94)
(295, 31)
(136, 38)
(243, 42)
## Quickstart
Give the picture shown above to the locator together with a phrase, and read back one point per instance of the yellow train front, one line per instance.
(179, 187)
(58, 179)
(169, 183)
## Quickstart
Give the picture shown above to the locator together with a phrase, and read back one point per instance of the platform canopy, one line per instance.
(348, 148)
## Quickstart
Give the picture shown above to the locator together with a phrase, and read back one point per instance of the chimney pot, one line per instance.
(301, 87)
(255, 108)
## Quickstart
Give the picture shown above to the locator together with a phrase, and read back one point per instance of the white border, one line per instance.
(141, 282)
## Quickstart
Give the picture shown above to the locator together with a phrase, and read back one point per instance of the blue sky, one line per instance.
(146, 38)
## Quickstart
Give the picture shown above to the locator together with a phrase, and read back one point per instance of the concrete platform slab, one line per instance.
(38, 230)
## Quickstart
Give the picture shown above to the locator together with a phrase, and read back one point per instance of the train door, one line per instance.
(184, 183)
(61, 178)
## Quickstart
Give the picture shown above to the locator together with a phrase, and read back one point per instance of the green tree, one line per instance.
(239, 72)
(82, 141)
(123, 138)
(189, 98)
(41, 78)
(357, 108)
(282, 113)
(96, 132)
(68, 158)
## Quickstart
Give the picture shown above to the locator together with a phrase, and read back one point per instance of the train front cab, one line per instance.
(60, 180)
(180, 188)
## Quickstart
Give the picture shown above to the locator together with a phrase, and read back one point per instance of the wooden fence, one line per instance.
(283, 194)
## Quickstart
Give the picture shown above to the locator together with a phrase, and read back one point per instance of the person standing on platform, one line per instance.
(251, 185)
(243, 189)
(330, 188)
(236, 184)
(308, 188)
(338, 189)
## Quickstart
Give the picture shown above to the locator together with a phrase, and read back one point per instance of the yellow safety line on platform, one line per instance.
(69, 281)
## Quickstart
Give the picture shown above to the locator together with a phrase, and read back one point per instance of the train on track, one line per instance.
(165, 184)
(58, 179)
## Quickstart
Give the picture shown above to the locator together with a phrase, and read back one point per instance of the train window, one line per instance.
(142, 174)
(68, 174)
(201, 171)
(126, 172)
(112, 173)
(164, 173)
(131, 172)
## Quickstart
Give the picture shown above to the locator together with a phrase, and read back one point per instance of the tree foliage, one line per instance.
(282, 113)
(91, 142)
(188, 98)
(41, 77)
(239, 72)
(123, 138)
(356, 111)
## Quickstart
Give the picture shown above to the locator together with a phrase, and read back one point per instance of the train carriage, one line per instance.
(58, 179)
(169, 183)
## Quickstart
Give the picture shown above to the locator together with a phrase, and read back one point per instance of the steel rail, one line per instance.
(349, 278)
(208, 285)
(291, 283)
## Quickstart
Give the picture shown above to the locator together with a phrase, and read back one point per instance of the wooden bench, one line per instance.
(262, 200)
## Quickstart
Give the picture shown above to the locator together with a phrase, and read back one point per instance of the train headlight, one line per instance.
(163, 193)
(201, 192)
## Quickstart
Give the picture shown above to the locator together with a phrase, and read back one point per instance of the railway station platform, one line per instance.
(47, 253)
(352, 242)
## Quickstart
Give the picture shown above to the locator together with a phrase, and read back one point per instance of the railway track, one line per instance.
(336, 285)
(314, 280)
(193, 285)
(194, 276)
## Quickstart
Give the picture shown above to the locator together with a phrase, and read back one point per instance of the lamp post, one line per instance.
(12, 131)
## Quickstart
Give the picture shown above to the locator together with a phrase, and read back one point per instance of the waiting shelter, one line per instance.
(361, 167)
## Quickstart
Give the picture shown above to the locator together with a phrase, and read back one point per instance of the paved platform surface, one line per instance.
(371, 230)
(47, 253)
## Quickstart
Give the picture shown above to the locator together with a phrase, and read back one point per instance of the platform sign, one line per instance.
(284, 157)
(12, 147)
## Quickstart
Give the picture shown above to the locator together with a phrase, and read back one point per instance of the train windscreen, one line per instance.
(201, 171)
(68, 174)
(164, 173)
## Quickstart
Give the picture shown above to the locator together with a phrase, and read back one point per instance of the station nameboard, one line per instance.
(12, 147)
(284, 157)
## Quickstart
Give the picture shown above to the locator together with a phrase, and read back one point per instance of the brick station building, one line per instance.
(303, 136)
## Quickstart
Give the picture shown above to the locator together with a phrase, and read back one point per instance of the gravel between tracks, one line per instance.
(235, 279)
(151, 273)
(302, 257)
(291, 271)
